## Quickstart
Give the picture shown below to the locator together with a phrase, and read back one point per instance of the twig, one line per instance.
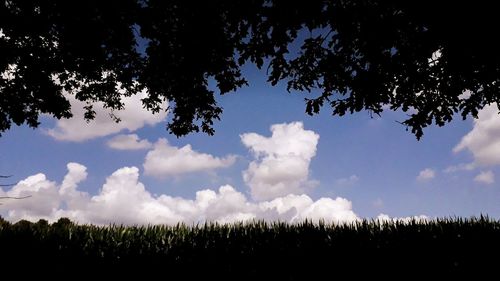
(12, 197)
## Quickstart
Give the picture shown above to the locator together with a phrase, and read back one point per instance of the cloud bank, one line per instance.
(124, 199)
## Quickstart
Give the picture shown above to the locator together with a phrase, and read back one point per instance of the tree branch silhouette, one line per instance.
(375, 53)
(8, 184)
(14, 197)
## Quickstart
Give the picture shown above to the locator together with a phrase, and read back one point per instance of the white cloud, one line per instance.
(167, 160)
(45, 196)
(128, 142)
(124, 199)
(328, 209)
(434, 59)
(485, 177)
(426, 174)
(39, 206)
(287, 207)
(282, 161)
(386, 218)
(460, 167)
(465, 95)
(10, 72)
(484, 139)
(296, 208)
(383, 218)
(133, 117)
(347, 181)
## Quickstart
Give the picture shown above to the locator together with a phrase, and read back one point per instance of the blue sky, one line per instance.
(334, 168)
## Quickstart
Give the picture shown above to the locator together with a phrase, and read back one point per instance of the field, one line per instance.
(259, 250)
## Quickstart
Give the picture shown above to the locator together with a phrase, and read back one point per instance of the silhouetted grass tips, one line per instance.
(286, 251)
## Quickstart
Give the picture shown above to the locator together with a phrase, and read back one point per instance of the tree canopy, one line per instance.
(431, 60)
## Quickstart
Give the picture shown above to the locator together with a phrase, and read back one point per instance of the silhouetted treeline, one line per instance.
(258, 250)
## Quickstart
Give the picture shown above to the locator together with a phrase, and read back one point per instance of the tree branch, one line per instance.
(13, 197)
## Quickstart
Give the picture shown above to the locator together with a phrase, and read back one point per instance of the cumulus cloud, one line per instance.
(281, 164)
(45, 196)
(485, 177)
(124, 199)
(31, 208)
(386, 218)
(328, 209)
(128, 142)
(484, 138)
(166, 160)
(426, 175)
(132, 117)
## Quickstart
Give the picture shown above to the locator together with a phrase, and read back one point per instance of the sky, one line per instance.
(267, 160)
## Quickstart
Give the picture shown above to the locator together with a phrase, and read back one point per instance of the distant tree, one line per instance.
(3, 223)
(429, 58)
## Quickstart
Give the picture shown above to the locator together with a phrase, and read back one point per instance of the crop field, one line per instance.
(259, 250)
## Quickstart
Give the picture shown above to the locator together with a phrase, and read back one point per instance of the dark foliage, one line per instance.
(361, 55)
(257, 251)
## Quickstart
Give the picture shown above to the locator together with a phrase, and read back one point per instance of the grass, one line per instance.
(256, 250)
